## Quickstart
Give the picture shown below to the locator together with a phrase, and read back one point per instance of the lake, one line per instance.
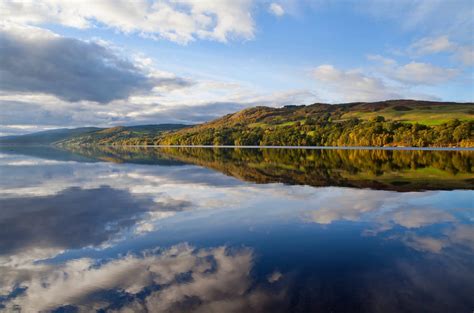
(236, 230)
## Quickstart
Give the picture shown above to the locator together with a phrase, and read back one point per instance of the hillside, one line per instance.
(387, 123)
(46, 137)
(121, 135)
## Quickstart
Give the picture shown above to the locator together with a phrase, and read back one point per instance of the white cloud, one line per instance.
(414, 73)
(434, 45)
(422, 73)
(276, 9)
(431, 45)
(381, 59)
(180, 21)
(353, 85)
(38, 61)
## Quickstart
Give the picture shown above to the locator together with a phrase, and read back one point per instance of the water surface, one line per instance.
(236, 230)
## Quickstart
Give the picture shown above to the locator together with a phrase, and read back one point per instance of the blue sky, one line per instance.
(106, 63)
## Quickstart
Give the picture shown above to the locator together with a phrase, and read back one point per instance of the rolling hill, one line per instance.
(386, 123)
(92, 135)
(46, 137)
(121, 135)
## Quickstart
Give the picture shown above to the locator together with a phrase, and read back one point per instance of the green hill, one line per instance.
(121, 135)
(387, 123)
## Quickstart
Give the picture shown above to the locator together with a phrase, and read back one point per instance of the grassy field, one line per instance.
(434, 115)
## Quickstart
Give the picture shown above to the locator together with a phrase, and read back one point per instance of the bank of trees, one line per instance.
(325, 132)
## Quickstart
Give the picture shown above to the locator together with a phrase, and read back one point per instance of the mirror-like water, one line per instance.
(236, 230)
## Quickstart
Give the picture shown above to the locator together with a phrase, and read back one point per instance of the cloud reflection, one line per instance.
(76, 218)
(181, 278)
(405, 217)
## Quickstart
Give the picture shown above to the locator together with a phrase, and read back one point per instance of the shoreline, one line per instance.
(258, 147)
(301, 147)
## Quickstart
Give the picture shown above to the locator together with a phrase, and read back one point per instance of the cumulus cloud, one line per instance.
(42, 72)
(276, 9)
(422, 73)
(429, 45)
(179, 21)
(37, 61)
(353, 85)
(433, 45)
(414, 73)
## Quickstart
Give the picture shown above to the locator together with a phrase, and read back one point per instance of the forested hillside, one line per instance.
(131, 135)
(388, 123)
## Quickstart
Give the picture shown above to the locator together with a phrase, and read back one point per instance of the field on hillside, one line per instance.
(426, 115)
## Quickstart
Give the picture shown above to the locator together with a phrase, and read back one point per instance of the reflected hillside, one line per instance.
(124, 154)
(377, 169)
(45, 152)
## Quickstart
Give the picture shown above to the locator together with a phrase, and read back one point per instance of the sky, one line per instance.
(72, 63)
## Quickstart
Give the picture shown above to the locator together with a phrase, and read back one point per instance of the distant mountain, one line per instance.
(46, 137)
(91, 135)
(121, 135)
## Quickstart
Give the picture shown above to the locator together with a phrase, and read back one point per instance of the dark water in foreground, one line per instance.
(229, 230)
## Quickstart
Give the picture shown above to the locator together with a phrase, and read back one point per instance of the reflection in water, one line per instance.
(74, 218)
(151, 231)
(378, 169)
(178, 278)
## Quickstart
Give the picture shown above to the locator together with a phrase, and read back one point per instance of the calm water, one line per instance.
(229, 230)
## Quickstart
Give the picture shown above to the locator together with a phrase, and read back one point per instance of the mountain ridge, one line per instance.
(46, 136)
(86, 134)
